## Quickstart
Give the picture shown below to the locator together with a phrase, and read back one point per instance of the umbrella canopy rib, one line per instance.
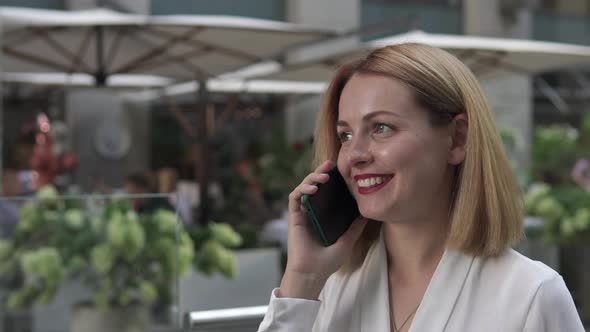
(158, 50)
(165, 59)
(114, 47)
(197, 71)
(200, 43)
(82, 49)
(59, 48)
(35, 59)
(19, 36)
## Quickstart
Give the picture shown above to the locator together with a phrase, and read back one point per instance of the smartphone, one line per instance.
(331, 209)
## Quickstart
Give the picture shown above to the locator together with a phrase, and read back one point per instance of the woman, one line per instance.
(416, 142)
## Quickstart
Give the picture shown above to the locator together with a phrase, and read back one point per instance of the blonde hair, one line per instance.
(486, 207)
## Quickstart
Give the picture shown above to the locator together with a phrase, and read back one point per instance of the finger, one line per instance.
(296, 195)
(316, 178)
(306, 187)
(353, 233)
(324, 167)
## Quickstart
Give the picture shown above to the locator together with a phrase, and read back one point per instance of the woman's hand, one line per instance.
(309, 263)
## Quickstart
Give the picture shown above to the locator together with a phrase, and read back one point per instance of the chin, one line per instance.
(372, 213)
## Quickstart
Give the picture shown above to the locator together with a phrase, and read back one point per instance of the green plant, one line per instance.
(256, 185)
(554, 152)
(281, 168)
(561, 199)
(513, 143)
(123, 257)
(565, 212)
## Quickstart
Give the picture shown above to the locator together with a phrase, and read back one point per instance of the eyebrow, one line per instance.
(369, 116)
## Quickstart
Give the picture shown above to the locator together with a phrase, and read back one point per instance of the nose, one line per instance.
(360, 152)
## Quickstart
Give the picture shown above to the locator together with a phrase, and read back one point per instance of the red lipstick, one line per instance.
(376, 187)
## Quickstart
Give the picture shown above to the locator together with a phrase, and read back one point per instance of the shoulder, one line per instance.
(546, 284)
(537, 286)
(524, 292)
(547, 302)
(514, 267)
(512, 279)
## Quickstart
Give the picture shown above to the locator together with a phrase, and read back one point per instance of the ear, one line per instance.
(459, 127)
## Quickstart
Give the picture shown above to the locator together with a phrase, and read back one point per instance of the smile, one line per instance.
(370, 183)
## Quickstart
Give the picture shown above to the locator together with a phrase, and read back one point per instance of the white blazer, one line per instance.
(504, 294)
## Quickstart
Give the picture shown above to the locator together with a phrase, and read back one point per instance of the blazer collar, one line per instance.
(443, 292)
(437, 304)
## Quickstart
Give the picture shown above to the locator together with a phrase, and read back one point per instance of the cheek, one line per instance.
(398, 154)
(430, 163)
(342, 161)
(344, 169)
(420, 157)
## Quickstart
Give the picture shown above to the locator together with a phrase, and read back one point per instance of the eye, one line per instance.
(345, 136)
(382, 128)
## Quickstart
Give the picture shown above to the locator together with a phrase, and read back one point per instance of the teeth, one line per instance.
(370, 182)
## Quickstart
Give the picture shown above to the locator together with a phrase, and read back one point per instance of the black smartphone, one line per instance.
(331, 209)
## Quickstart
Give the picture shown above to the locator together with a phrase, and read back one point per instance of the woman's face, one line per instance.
(395, 163)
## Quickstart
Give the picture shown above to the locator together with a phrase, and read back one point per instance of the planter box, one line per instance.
(259, 271)
(126, 319)
(56, 316)
(15, 321)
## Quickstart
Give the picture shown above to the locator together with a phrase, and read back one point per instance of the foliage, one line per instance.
(565, 211)
(513, 143)
(213, 243)
(560, 196)
(123, 257)
(554, 152)
(256, 185)
(281, 168)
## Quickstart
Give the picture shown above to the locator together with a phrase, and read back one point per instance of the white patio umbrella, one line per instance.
(102, 43)
(120, 81)
(485, 56)
(269, 87)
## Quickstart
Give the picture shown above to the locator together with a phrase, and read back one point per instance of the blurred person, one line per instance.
(581, 174)
(276, 231)
(140, 184)
(414, 138)
(9, 209)
(181, 199)
(259, 211)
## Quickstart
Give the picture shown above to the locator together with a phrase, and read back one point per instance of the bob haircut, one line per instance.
(486, 202)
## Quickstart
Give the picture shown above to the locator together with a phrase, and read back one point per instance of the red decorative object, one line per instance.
(44, 160)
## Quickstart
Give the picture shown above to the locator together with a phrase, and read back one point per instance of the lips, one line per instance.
(369, 183)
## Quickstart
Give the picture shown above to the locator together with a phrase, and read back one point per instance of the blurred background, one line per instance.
(148, 147)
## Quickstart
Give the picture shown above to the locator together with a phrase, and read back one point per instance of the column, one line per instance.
(511, 96)
(340, 14)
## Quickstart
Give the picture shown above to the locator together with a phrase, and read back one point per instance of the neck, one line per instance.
(414, 249)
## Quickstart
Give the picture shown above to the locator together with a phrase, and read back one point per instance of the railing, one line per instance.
(225, 320)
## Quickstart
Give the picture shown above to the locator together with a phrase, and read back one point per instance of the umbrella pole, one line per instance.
(100, 75)
(1, 120)
(1, 137)
(202, 153)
